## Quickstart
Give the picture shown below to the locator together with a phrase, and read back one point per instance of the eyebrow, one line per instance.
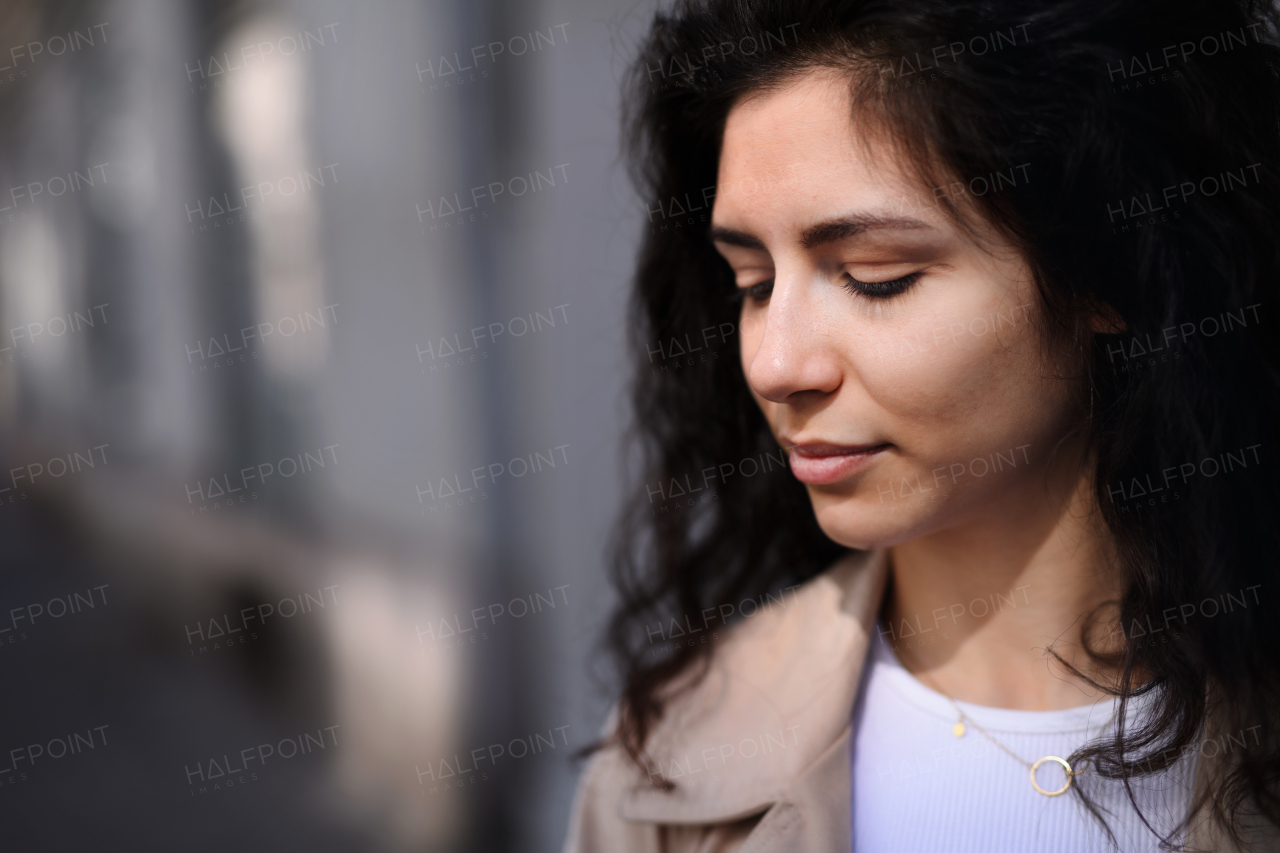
(735, 238)
(825, 232)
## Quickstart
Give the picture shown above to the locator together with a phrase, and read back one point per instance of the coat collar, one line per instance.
(778, 694)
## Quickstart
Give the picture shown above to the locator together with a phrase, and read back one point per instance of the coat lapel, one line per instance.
(770, 719)
(813, 814)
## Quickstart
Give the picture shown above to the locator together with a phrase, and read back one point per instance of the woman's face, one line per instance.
(900, 363)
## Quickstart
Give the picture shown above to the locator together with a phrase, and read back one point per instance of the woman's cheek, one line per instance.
(949, 367)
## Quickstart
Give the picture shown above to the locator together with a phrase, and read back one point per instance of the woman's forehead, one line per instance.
(801, 141)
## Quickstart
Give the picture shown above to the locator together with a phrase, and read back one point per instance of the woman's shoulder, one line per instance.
(792, 640)
(794, 628)
(776, 694)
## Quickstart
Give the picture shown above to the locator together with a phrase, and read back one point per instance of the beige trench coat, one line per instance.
(760, 749)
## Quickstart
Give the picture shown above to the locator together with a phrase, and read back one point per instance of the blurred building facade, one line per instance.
(311, 395)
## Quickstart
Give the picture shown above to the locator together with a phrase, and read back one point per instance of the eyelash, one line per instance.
(880, 289)
(876, 290)
(756, 292)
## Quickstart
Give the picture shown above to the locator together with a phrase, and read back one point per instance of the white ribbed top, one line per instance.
(917, 788)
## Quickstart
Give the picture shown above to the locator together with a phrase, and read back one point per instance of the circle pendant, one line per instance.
(1065, 766)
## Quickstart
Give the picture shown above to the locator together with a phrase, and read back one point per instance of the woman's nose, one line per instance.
(795, 354)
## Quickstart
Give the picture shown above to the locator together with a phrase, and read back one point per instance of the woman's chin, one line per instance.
(855, 522)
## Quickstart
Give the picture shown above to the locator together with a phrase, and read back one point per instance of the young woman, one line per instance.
(959, 527)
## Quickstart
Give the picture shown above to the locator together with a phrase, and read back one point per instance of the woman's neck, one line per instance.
(974, 608)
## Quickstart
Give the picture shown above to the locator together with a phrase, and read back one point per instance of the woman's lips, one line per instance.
(821, 464)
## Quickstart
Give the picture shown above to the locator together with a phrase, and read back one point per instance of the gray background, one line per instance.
(169, 136)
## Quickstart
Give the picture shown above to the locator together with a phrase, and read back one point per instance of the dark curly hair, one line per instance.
(1111, 104)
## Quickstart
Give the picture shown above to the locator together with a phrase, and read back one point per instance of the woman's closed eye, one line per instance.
(758, 293)
(880, 289)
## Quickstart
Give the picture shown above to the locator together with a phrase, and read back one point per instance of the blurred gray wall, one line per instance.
(358, 315)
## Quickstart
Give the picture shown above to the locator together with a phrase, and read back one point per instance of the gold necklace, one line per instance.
(959, 729)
